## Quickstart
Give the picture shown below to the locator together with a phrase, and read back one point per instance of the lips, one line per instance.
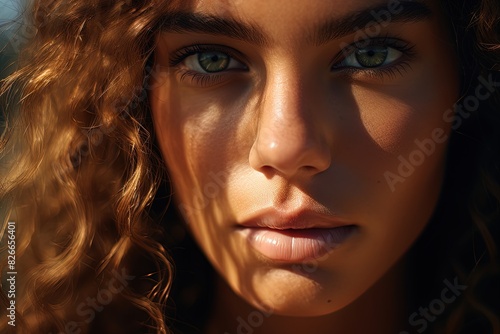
(295, 237)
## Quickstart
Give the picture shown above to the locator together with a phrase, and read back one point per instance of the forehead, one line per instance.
(280, 8)
(276, 11)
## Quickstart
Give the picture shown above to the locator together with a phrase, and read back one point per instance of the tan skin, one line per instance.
(292, 125)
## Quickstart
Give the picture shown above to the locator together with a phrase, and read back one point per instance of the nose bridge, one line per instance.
(288, 138)
(283, 107)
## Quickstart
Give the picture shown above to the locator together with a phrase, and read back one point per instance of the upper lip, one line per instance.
(299, 219)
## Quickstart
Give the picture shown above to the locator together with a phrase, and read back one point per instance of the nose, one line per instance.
(291, 136)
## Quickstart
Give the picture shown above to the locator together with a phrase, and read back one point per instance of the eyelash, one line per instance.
(391, 70)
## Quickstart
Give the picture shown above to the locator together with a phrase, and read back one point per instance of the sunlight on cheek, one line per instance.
(202, 198)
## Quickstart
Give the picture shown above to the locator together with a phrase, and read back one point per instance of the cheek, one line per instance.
(187, 136)
(396, 117)
(406, 136)
(201, 134)
(407, 120)
(194, 136)
(388, 165)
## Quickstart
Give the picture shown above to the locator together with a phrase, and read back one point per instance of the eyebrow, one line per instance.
(187, 22)
(184, 22)
(411, 11)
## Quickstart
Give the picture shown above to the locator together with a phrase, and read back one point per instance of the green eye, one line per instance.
(208, 60)
(213, 61)
(372, 57)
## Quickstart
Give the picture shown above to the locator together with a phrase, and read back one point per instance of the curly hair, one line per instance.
(79, 173)
(80, 189)
(461, 239)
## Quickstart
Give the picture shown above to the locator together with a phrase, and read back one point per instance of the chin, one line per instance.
(284, 292)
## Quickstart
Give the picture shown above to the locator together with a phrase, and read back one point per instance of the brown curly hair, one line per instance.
(79, 172)
(81, 187)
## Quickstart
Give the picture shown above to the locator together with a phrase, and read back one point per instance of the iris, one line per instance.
(213, 61)
(372, 57)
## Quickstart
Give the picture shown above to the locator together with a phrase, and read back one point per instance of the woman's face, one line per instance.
(305, 140)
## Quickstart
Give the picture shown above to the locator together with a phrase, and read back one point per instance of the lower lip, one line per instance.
(296, 245)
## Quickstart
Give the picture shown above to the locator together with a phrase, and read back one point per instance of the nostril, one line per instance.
(268, 171)
(309, 169)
